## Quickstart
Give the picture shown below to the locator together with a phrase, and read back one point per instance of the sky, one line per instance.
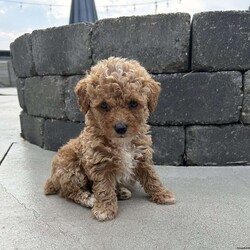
(23, 16)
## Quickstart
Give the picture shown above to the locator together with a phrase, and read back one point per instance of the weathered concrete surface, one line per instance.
(198, 98)
(220, 41)
(63, 50)
(212, 205)
(9, 124)
(159, 42)
(213, 145)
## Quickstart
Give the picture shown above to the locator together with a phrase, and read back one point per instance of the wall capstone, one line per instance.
(62, 51)
(159, 42)
(22, 57)
(220, 41)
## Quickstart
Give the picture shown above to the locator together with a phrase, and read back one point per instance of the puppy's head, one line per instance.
(117, 96)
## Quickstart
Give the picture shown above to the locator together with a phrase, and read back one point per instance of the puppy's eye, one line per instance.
(133, 104)
(104, 106)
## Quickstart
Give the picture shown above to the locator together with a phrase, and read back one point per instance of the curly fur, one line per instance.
(97, 167)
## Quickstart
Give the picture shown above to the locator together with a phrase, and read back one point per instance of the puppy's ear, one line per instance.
(153, 94)
(82, 96)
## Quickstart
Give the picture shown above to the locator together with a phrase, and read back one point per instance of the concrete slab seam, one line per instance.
(6, 153)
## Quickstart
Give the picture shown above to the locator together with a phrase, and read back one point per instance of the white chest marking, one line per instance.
(127, 165)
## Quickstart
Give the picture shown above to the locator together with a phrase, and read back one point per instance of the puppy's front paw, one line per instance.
(104, 213)
(164, 197)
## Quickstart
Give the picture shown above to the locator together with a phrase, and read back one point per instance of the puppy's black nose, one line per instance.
(121, 128)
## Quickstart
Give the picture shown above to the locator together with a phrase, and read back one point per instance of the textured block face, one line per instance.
(44, 96)
(221, 41)
(20, 92)
(224, 145)
(199, 98)
(245, 114)
(12, 75)
(168, 145)
(22, 59)
(32, 128)
(62, 51)
(160, 42)
(57, 133)
(71, 106)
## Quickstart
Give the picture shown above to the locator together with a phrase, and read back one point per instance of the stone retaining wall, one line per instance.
(203, 114)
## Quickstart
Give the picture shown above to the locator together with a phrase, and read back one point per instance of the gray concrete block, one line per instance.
(220, 41)
(159, 42)
(20, 92)
(57, 133)
(44, 96)
(168, 145)
(222, 145)
(21, 54)
(62, 51)
(199, 98)
(71, 106)
(32, 128)
(245, 114)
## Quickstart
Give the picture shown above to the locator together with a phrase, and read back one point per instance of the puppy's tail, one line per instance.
(49, 187)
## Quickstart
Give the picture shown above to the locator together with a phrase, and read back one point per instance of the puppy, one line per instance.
(114, 149)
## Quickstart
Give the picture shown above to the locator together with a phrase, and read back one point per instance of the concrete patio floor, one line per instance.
(212, 209)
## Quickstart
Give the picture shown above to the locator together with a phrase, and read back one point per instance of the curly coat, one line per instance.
(114, 149)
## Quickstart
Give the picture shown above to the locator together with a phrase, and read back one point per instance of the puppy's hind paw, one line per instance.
(90, 201)
(123, 193)
(49, 187)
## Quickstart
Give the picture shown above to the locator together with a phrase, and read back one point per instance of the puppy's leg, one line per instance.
(84, 198)
(49, 187)
(152, 185)
(105, 207)
(69, 181)
(123, 193)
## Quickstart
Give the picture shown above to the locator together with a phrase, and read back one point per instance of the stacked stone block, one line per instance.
(160, 42)
(203, 66)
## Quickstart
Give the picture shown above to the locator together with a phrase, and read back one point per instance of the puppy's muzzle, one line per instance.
(121, 128)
